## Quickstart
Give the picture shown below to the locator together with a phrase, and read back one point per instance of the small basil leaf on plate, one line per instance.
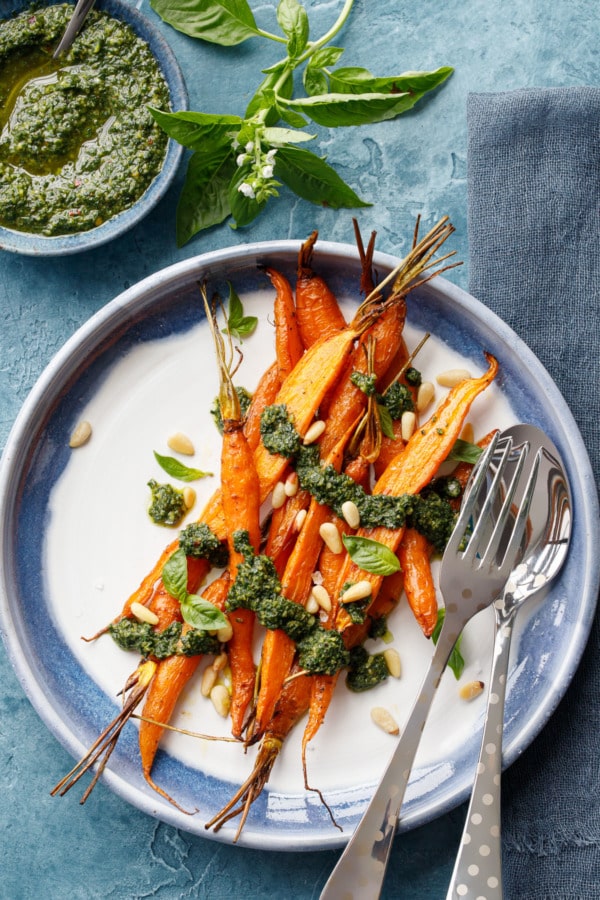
(175, 574)
(238, 324)
(386, 421)
(177, 469)
(456, 661)
(464, 451)
(370, 555)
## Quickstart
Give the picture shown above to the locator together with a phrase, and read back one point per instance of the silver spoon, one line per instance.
(478, 868)
(79, 16)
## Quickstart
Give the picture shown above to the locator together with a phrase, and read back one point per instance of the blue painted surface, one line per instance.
(416, 164)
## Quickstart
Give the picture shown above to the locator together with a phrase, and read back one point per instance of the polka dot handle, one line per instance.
(477, 872)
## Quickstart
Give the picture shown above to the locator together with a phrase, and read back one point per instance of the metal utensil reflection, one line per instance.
(76, 21)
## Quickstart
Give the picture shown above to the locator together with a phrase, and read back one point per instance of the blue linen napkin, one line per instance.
(534, 249)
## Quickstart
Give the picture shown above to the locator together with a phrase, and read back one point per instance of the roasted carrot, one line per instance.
(414, 554)
(288, 343)
(317, 309)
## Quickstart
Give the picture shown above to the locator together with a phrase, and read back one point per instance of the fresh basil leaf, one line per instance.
(264, 97)
(224, 22)
(238, 324)
(198, 131)
(356, 80)
(464, 451)
(386, 421)
(204, 199)
(325, 56)
(314, 81)
(175, 575)
(336, 110)
(293, 21)
(177, 469)
(456, 661)
(370, 555)
(201, 614)
(311, 178)
(290, 117)
(243, 209)
(280, 136)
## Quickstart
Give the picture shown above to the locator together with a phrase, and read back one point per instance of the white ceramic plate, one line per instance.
(75, 541)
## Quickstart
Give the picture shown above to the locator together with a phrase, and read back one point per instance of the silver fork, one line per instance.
(470, 579)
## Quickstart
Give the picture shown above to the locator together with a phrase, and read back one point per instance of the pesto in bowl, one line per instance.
(78, 146)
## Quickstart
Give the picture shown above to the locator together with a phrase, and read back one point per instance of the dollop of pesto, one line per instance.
(322, 650)
(77, 142)
(130, 634)
(434, 517)
(365, 383)
(366, 670)
(167, 506)
(398, 400)
(198, 540)
(277, 431)
(245, 398)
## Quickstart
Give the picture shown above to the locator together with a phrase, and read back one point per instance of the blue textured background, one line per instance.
(416, 164)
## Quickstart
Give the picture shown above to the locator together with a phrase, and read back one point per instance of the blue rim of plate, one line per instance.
(66, 244)
(36, 452)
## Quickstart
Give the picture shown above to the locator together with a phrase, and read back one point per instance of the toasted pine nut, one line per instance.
(219, 662)
(225, 633)
(392, 661)
(331, 536)
(279, 497)
(351, 514)
(291, 485)
(471, 690)
(180, 443)
(81, 434)
(357, 591)
(314, 432)
(189, 496)
(299, 520)
(468, 434)
(385, 720)
(407, 424)
(452, 377)
(221, 699)
(322, 597)
(425, 395)
(312, 605)
(209, 677)
(143, 614)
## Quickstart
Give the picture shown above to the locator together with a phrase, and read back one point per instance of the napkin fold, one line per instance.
(534, 251)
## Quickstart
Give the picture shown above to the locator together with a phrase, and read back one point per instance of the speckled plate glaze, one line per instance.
(63, 245)
(70, 702)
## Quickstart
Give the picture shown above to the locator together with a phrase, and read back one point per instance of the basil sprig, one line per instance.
(238, 324)
(196, 611)
(371, 556)
(239, 163)
(456, 661)
(179, 470)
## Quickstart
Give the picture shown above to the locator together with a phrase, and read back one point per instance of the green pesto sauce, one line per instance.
(198, 540)
(167, 506)
(366, 670)
(277, 431)
(130, 634)
(245, 398)
(77, 142)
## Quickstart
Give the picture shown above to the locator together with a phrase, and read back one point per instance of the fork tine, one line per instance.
(478, 478)
(480, 536)
(519, 528)
(499, 528)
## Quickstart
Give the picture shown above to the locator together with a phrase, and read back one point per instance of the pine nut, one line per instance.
(225, 633)
(468, 434)
(351, 514)
(425, 395)
(299, 520)
(392, 661)
(81, 434)
(209, 677)
(291, 485)
(312, 605)
(221, 699)
(314, 432)
(407, 424)
(279, 496)
(180, 443)
(143, 614)
(385, 720)
(452, 377)
(219, 662)
(358, 591)
(322, 597)
(189, 496)
(471, 690)
(331, 537)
